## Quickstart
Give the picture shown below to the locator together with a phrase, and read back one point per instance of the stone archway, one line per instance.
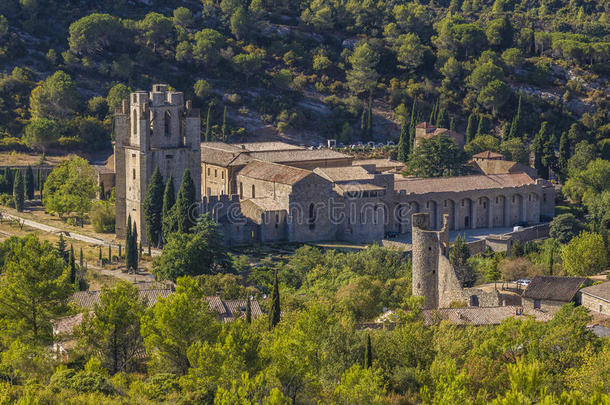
(449, 208)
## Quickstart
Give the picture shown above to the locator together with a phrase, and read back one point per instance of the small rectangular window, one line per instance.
(215, 172)
(222, 174)
(208, 171)
(462, 203)
(536, 304)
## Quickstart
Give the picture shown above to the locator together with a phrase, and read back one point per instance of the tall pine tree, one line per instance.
(133, 247)
(18, 192)
(470, 129)
(275, 310)
(153, 209)
(224, 125)
(29, 186)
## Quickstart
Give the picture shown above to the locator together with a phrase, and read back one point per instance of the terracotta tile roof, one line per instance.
(268, 146)
(601, 291)
(227, 310)
(65, 325)
(290, 156)
(265, 204)
(359, 187)
(479, 316)
(488, 155)
(462, 183)
(219, 156)
(424, 125)
(267, 171)
(379, 163)
(87, 299)
(253, 208)
(490, 166)
(346, 173)
(553, 288)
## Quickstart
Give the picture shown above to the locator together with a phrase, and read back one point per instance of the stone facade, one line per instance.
(153, 130)
(596, 298)
(434, 277)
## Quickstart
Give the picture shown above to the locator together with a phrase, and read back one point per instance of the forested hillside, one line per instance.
(350, 70)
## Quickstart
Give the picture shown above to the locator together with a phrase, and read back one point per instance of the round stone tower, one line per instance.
(425, 251)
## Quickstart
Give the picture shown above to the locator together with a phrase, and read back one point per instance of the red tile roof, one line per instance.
(462, 183)
(267, 171)
(488, 155)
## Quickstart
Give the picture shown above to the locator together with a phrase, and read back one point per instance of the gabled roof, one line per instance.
(227, 310)
(267, 171)
(424, 125)
(462, 183)
(492, 166)
(480, 316)
(299, 155)
(488, 155)
(268, 146)
(553, 288)
(87, 299)
(601, 291)
(345, 173)
(217, 154)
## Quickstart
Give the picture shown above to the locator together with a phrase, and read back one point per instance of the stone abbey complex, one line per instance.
(273, 191)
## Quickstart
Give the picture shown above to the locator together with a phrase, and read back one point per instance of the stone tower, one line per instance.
(429, 248)
(156, 129)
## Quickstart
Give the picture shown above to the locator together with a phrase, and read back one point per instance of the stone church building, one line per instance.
(274, 191)
(152, 129)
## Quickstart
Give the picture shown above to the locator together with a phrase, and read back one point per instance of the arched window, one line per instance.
(241, 190)
(167, 122)
(253, 192)
(134, 122)
(312, 216)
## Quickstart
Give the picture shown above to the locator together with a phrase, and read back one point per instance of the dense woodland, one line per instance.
(515, 77)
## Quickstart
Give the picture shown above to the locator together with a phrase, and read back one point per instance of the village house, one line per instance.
(596, 298)
(549, 293)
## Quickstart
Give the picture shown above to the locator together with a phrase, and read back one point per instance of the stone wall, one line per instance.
(549, 306)
(595, 304)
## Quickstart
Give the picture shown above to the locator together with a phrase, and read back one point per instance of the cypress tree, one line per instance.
(166, 211)
(109, 253)
(516, 128)
(81, 259)
(452, 124)
(208, 119)
(470, 128)
(363, 122)
(29, 186)
(224, 124)
(248, 310)
(184, 212)
(128, 243)
(368, 353)
(505, 131)
(482, 128)
(153, 208)
(9, 175)
(99, 257)
(564, 155)
(404, 145)
(538, 150)
(18, 192)
(72, 263)
(133, 248)
(39, 179)
(61, 247)
(102, 191)
(274, 311)
(413, 115)
(370, 119)
(120, 253)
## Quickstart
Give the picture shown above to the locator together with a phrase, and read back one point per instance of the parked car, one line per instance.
(524, 282)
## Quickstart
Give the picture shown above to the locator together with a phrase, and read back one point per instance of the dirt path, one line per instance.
(67, 234)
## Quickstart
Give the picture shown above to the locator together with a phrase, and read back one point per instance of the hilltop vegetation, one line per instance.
(348, 70)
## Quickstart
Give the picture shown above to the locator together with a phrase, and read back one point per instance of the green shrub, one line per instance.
(103, 217)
